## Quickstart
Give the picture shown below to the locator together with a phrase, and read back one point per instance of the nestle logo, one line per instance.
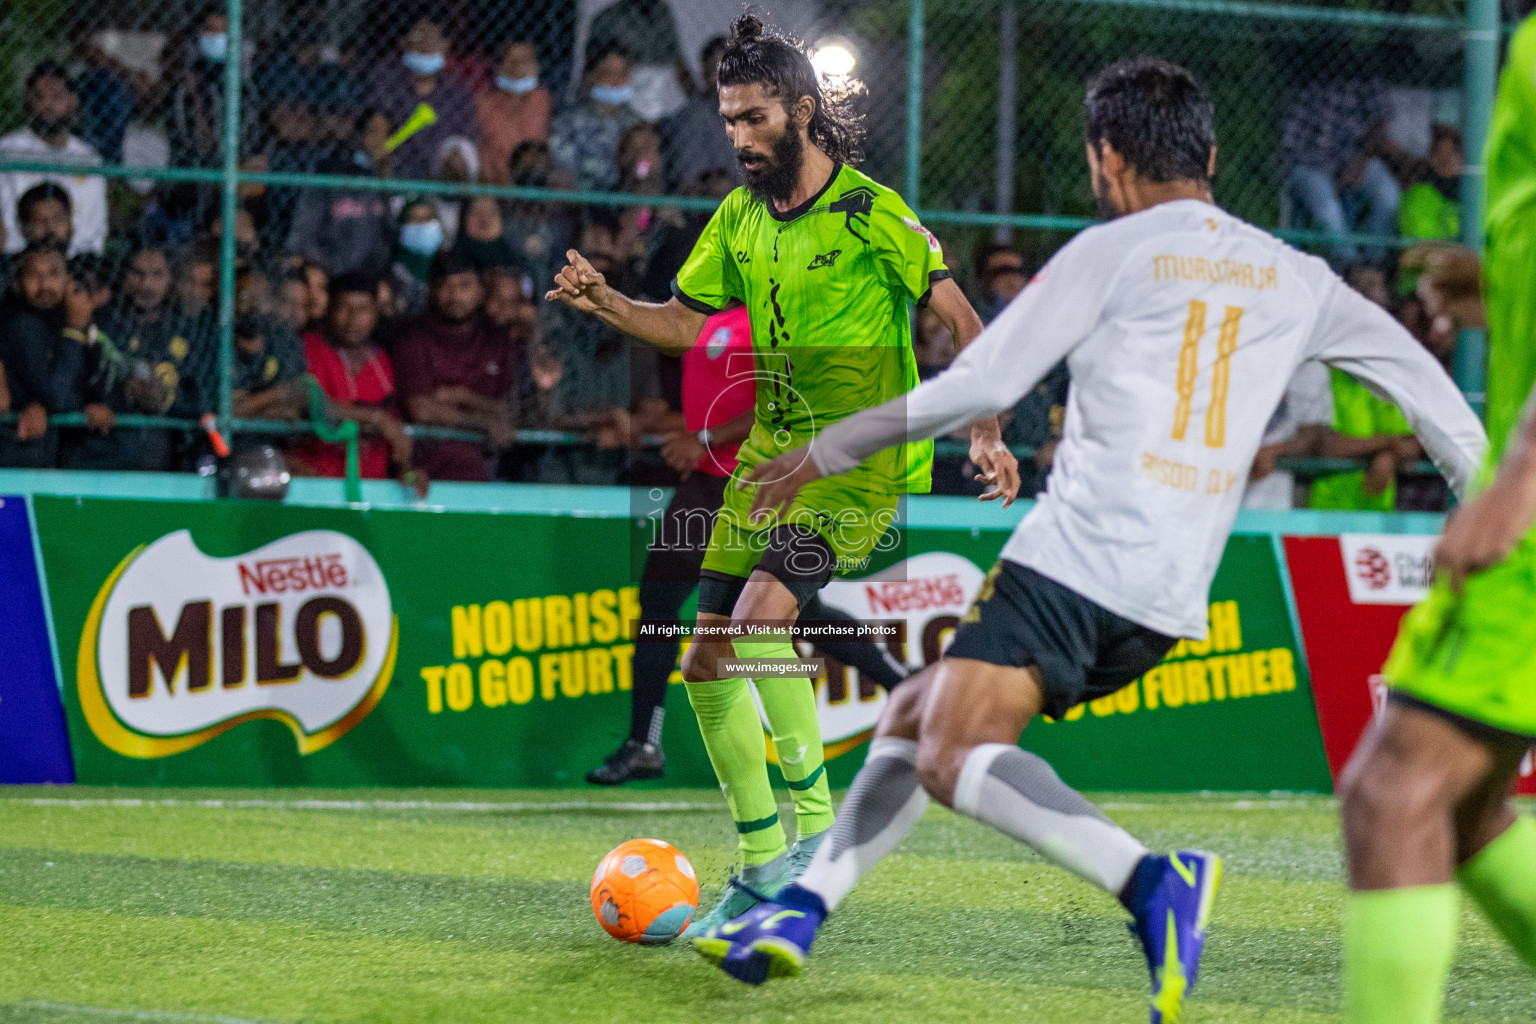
(916, 595)
(293, 575)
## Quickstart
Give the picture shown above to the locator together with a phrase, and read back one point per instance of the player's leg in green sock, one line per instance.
(790, 704)
(1397, 952)
(1502, 879)
(733, 736)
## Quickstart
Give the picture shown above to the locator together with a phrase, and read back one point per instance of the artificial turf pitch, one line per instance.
(182, 907)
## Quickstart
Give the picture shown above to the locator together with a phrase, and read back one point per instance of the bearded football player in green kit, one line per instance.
(828, 263)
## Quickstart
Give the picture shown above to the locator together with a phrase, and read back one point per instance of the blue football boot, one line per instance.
(771, 940)
(1174, 896)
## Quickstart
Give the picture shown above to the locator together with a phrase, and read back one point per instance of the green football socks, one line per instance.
(733, 736)
(790, 704)
(1501, 878)
(1397, 953)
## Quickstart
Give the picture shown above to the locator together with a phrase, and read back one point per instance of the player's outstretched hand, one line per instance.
(999, 469)
(778, 481)
(579, 285)
(1485, 530)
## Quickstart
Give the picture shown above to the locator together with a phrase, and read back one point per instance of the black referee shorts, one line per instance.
(677, 550)
(1083, 651)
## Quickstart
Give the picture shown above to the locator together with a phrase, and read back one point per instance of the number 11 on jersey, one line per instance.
(1189, 369)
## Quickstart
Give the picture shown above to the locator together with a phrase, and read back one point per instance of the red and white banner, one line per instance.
(1351, 592)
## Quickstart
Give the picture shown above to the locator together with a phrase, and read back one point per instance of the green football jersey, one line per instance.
(827, 286)
(1511, 220)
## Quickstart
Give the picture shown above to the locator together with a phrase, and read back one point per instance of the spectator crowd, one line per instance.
(400, 309)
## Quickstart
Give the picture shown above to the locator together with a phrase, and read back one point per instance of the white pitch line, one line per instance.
(463, 806)
(1223, 805)
(174, 1016)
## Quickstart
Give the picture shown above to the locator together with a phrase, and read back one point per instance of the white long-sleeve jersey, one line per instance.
(1181, 326)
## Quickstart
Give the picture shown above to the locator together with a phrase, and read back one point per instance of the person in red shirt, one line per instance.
(457, 369)
(512, 109)
(357, 377)
(719, 389)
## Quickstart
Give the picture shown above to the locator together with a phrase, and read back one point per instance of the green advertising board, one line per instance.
(244, 643)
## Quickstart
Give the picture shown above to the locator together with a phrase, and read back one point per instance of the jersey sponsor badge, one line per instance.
(824, 259)
(933, 241)
(717, 342)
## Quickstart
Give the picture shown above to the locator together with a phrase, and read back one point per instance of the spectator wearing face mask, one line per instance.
(416, 88)
(51, 109)
(584, 139)
(646, 31)
(196, 115)
(512, 109)
(348, 230)
(44, 320)
(420, 238)
(457, 369)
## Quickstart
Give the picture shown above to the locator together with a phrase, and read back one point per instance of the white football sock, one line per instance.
(1017, 793)
(882, 805)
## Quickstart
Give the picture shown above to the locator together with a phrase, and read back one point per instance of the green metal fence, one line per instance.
(971, 106)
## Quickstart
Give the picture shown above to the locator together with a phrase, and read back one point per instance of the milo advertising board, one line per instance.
(246, 643)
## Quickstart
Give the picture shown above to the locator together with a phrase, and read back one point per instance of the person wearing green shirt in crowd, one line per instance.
(1364, 427)
(1425, 799)
(1431, 209)
(828, 263)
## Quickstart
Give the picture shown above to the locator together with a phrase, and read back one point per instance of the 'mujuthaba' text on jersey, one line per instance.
(827, 286)
(1181, 326)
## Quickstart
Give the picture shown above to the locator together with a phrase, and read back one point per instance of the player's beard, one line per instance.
(776, 179)
(1107, 208)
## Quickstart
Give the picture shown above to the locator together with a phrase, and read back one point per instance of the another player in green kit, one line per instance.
(828, 263)
(1426, 806)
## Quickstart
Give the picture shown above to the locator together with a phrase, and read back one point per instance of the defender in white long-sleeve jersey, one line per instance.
(1181, 325)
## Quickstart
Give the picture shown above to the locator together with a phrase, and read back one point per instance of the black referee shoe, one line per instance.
(633, 760)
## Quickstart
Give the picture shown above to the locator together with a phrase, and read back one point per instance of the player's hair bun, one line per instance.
(747, 26)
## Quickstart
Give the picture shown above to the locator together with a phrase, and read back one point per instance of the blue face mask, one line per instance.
(422, 239)
(613, 95)
(214, 46)
(423, 63)
(517, 86)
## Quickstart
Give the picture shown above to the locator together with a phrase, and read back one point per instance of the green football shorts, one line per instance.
(1475, 655)
(851, 519)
